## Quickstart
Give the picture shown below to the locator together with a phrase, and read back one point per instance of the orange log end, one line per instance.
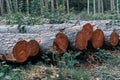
(97, 38)
(88, 29)
(21, 51)
(35, 47)
(114, 38)
(60, 43)
(81, 40)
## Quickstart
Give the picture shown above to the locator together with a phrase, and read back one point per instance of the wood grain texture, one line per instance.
(88, 30)
(114, 38)
(60, 43)
(35, 47)
(21, 51)
(98, 38)
(81, 40)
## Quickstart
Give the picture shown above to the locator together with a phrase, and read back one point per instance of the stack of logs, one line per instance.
(87, 34)
(23, 49)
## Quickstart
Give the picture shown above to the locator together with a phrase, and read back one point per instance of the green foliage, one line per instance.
(35, 7)
(104, 55)
(15, 19)
(73, 74)
(20, 6)
(22, 19)
(56, 16)
(106, 73)
(46, 58)
(109, 70)
(68, 60)
(8, 73)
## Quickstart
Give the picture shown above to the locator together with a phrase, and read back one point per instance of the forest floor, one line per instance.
(108, 70)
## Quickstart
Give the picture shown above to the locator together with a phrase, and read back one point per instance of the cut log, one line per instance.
(60, 43)
(7, 57)
(114, 39)
(81, 40)
(21, 51)
(35, 47)
(98, 38)
(88, 30)
(9, 34)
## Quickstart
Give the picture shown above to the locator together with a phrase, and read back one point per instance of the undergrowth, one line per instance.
(58, 16)
(64, 68)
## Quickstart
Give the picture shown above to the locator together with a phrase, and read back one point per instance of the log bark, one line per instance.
(45, 34)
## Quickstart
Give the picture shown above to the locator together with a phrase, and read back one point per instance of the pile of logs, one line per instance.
(23, 49)
(87, 34)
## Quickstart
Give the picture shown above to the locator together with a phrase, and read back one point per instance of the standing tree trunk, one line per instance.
(41, 5)
(102, 6)
(15, 4)
(11, 7)
(57, 4)
(1, 7)
(88, 6)
(94, 7)
(78, 5)
(46, 5)
(52, 5)
(8, 6)
(68, 9)
(27, 3)
(99, 6)
(117, 7)
(112, 5)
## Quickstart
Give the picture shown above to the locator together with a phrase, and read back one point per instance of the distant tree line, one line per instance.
(38, 7)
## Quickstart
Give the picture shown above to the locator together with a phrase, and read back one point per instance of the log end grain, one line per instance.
(35, 47)
(81, 40)
(60, 43)
(21, 51)
(98, 38)
(88, 29)
(114, 38)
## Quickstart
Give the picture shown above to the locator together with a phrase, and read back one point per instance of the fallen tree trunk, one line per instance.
(44, 34)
